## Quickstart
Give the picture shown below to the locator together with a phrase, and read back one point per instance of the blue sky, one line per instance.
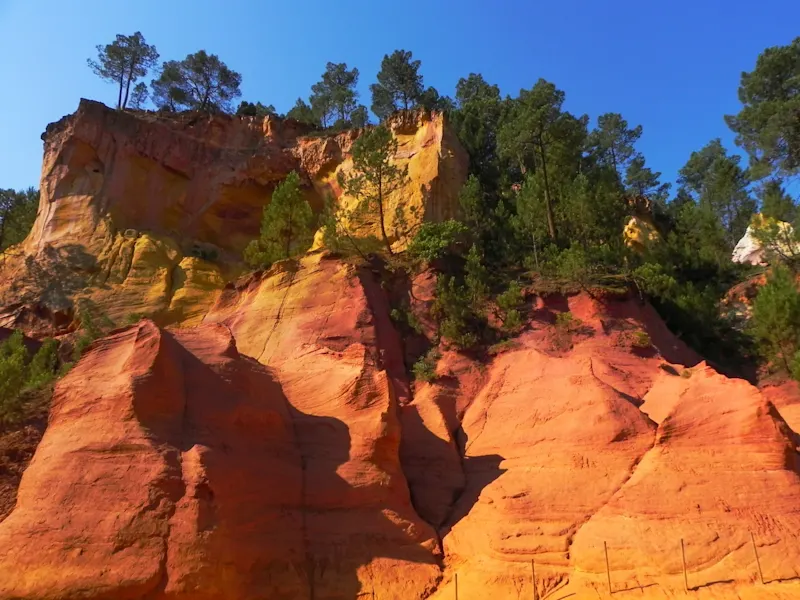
(671, 66)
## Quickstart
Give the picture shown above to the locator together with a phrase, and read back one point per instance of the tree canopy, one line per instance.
(17, 213)
(201, 82)
(124, 61)
(399, 84)
(374, 176)
(767, 126)
(285, 225)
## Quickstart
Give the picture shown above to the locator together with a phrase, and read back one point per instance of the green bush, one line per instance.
(640, 339)
(12, 375)
(459, 324)
(776, 319)
(435, 240)
(42, 369)
(566, 321)
(509, 305)
(425, 368)
(17, 375)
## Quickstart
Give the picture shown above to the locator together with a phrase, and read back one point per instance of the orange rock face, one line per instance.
(278, 451)
(175, 467)
(148, 214)
(272, 446)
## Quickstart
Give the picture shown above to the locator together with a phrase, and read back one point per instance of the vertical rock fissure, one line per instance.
(278, 316)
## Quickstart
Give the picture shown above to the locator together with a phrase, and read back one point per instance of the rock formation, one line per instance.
(143, 213)
(260, 438)
(750, 249)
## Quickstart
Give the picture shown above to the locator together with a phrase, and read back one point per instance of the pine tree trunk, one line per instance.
(551, 223)
(128, 87)
(380, 210)
(119, 98)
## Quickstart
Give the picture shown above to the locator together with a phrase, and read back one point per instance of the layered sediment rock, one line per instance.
(146, 213)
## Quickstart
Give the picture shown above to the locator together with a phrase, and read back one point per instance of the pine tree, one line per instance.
(285, 225)
(399, 84)
(302, 112)
(17, 214)
(201, 81)
(767, 127)
(334, 97)
(643, 181)
(716, 180)
(776, 318)
(614, 142)
(374, 177)
(123, 61)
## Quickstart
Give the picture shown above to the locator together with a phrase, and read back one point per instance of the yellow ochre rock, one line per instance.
(639, 233)
(127, 198)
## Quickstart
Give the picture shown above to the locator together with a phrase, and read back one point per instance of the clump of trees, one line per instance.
(17, 214)
(201, 81)
(548, 193)
(19, 372)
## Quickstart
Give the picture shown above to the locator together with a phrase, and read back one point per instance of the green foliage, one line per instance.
(12, 375)
(776, 203)
(201, 81)
(42, 368)
(406, 320)
(431, 101)
(248, 109)
(566, 321)
(399, 84)
(767, 126)
(374, 177)
(613, 142)
(17, 374)
(435, 240)
(302, 112)
(475, 120)
(509, 305)
(132, 318)
(333, 98)
(425, 368)
(642, 181)
(285, 226)
(719, 185)
(776, 319)
(538, 137)
(17, 214)
(459, 324)
(139, 96)
(122, 62)
(641, 339)
(476, 280)
(94, 325)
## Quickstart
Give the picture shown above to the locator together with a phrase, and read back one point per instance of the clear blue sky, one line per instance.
(672, 66)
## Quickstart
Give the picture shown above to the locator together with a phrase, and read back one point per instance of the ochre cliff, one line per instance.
(143, 213)
(259, 436)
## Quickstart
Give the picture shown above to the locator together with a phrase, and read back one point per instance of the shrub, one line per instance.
(425, 368)
(453, 307)
(566, 325)
(566, 321)
(12, 375)
(509, 305)
(405, 319)
(435, 240)
(640, 339)
(776, 319)
(42, 369)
